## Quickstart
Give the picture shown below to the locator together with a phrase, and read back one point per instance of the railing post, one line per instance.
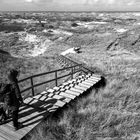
(72, 73)
(56, 78)
(80, 68)
(32, 85)
(74, 69)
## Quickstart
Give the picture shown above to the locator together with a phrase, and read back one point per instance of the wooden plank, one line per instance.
(56, 88)
(96, 75)
(87, 83)
(72, 92)
(25, 110)
(47, 100)
(77, 90)
(50, 95)
(8, 129)
(50, 90)
(84, 85)
(36, 119)
(66, 84)
(37, 96)
(67, 100)
(31, 101)
(79, 81)
(67, 87)
(28, 114)
(4, 136)
(27, 100)
(53, 108)
(7, 135)
(23, 131)
(91, 81)
(81, 88)
(94, 78)
(59, 103)
(67, 95)
(44, 93)
(72, 85)
(44, 98)
(62, 90)
(32, 120)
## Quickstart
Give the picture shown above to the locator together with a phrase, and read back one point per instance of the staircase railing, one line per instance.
(72, 70)
(83, 68)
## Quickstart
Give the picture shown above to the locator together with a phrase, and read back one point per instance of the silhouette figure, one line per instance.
(13, 98)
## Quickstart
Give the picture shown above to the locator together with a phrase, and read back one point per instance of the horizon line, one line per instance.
(70, 11)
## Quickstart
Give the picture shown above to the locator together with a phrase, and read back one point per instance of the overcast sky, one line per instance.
(69, 5)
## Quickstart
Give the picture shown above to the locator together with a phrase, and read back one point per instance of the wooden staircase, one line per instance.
(64, 62)
(58, 96)
(39, 106)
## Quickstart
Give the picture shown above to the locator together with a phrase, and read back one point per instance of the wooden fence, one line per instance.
(73, 69)
(83, 68)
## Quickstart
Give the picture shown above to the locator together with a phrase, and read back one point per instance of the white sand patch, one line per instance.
(88, 26)
(61, 32)
(38, 50)
(101, 15)
(95, 22)
(93, 13)
(33, 50)
(91, 23)
(28, 21)
(104, 34)
(71, 50)
(31, 38)
(121, 30)
(136, 14)
(45, 31)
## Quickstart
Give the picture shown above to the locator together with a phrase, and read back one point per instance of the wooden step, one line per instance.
(84, 85)
(88, 83)
(81, 88)
(51, 101)
(94, 77)
(72, 92)
(64, 94)
(64, 99)
(77, 90)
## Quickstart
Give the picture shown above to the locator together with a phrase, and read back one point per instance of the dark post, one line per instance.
(72, 73)
(80, 68)
(56, 78)
(32, 85)
(74, 69)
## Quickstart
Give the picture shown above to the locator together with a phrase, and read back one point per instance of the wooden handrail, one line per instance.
(48, 81)
(73, 71)
(41, 74)
(77, 64)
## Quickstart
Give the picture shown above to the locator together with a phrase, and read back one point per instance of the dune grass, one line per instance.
(108, 113)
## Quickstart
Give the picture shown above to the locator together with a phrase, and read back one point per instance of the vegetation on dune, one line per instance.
(108, 113)
(11, 27)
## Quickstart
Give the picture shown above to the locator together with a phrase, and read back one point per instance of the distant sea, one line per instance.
(70, 11)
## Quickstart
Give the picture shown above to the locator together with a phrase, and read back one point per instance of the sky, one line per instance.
(69, 5)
